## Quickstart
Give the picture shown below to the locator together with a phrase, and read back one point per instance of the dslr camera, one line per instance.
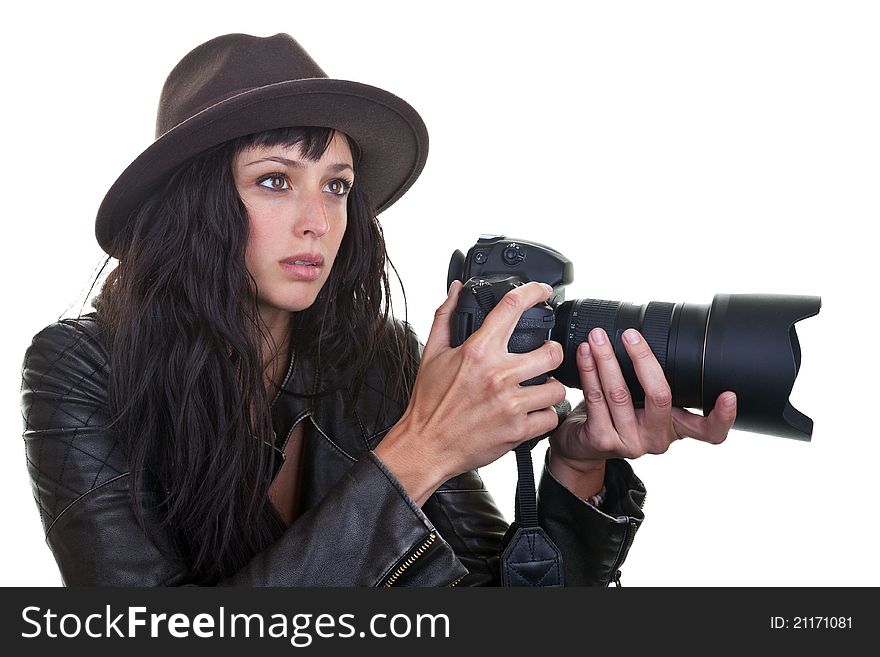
(740, 342)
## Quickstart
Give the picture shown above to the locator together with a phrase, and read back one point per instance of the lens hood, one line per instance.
(752, 348)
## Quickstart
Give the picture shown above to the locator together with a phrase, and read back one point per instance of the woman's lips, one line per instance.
(303, 266)
(301, 272)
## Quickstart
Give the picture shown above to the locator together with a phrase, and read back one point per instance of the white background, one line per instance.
(671, 150)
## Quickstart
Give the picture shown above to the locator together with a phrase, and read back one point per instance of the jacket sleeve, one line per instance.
(594, 543)
(365, 532)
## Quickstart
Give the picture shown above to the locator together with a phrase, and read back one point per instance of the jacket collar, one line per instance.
(307, 391)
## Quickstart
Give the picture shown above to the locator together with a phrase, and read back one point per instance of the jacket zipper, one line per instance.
(633, 527)
(412, 558)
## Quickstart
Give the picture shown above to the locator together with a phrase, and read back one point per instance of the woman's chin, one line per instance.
(286, 305)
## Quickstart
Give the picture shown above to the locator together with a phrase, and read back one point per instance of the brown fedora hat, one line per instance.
(236, 85)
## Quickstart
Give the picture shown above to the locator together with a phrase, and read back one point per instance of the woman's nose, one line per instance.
(312, 216)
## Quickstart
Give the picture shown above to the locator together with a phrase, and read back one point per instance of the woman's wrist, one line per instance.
(410, 466)
(584, 478)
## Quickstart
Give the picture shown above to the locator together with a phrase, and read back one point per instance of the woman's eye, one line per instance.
(338, 187)
(275, 182)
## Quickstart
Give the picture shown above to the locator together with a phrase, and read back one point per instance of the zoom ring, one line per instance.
(588, 314)
(655, 328)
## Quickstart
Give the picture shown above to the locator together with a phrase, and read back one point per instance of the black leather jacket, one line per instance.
(360, 528)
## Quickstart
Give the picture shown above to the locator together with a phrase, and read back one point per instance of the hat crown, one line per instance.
(226, 66)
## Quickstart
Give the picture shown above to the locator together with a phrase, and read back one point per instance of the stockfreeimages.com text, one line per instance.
(300, 629)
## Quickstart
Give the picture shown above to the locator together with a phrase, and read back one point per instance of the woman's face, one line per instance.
(297, 213)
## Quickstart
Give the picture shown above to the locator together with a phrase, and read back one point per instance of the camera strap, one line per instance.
(529, 558)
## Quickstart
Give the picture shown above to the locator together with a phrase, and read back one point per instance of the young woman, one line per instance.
(242, 408)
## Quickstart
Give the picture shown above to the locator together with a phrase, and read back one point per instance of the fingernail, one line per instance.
(730, 402)
(451, 285)
(631, 336)
(584, 348)
(597, 335)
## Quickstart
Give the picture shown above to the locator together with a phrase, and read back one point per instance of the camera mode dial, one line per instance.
(513, 254)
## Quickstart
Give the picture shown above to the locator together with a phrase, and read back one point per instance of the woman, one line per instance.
(242, 409)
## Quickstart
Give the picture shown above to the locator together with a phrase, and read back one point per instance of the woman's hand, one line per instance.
(607, 425)
(467, 408)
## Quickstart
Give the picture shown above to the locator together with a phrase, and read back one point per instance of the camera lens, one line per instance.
(745, 343)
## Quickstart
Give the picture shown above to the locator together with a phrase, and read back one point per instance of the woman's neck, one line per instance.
(275, 348)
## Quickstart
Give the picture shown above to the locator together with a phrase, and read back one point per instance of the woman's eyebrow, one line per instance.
(296, 164)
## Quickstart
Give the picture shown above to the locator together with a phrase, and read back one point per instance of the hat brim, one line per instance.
(390, 134)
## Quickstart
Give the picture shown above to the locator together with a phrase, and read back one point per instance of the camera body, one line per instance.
(494, 266)
(496, 256)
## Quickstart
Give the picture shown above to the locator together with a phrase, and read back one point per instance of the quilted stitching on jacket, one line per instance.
(71, 411)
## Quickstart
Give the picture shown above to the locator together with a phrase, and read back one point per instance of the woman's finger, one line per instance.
(657, 427)
(720, 420)
(533, 398)
(597, 413)
(503, 318)
(439, 337)
(711, 429)
(617, 396)
(539, 423)
(530, 364)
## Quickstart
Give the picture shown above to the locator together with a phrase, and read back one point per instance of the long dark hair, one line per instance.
(186, 387)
